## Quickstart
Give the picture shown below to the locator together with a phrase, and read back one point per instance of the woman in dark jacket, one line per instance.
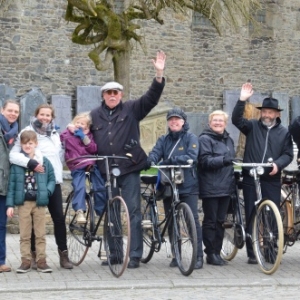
(176, 148)
(8, 132)
(216, 182)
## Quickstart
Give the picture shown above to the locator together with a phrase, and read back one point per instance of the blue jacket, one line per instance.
(186, 149)
(45, 185)
(215, 179)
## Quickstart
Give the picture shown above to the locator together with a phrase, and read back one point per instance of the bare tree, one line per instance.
(111, 25)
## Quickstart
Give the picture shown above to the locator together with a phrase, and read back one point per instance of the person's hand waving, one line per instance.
(159, 64)
(246, 91)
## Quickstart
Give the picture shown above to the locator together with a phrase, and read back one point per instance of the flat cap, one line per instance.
(112, 86)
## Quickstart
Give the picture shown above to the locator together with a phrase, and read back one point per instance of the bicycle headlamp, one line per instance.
(260, 170)
(115, 172)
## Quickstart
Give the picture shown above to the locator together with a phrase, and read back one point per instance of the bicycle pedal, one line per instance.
(227, 225)
(146, 224)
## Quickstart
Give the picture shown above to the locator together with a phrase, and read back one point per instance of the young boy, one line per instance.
(30, 191)
(78, 141)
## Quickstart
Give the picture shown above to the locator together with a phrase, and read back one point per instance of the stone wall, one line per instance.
(35, 50)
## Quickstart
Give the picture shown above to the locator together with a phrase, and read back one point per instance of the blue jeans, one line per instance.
(130, 191)
(3, 220)
(78, 184)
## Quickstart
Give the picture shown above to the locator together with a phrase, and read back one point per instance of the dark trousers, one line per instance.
(215, 211)
(269, 190)
(57, 215)
(192, 202)
(128, 186)
(3, 219)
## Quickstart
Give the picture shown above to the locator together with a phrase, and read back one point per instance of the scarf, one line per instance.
(40, 128)
(10, 131)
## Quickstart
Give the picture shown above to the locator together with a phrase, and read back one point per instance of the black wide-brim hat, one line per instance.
(270, 103)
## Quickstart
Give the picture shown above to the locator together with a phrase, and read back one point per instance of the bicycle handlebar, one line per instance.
(170, 166)
(253, 165)
(85, 158)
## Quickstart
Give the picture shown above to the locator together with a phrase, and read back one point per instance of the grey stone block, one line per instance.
(88, 97)
(63, 110)
(29, 102)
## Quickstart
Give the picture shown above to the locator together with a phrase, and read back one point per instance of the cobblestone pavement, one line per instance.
(154, 280)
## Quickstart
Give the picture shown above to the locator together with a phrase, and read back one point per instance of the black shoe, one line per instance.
(212, 259)
(134, 263)
(113, 261)
(252, 261)
(199, 263)
(173, 263)
(224, 262)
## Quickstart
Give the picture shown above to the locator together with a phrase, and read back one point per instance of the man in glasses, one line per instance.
(115, 127)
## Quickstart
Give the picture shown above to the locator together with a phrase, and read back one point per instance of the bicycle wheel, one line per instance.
(148, 232)
(77, 234)
(229, 250)
(117, 235)
(267, 237)
(184, 239)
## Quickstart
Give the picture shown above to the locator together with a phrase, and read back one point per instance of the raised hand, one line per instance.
(159, 62)
(246, 91)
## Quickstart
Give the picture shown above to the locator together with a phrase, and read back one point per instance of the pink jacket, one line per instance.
(74, 147)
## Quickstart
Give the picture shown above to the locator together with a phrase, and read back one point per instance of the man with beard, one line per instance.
(265, 138)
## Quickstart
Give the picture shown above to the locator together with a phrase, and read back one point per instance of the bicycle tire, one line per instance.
(184, 239)
(117, 235)
(148, 232)
(267, 237)
(77, 234)
(229, 250)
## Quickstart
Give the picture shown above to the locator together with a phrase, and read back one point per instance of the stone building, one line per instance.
(36, 51)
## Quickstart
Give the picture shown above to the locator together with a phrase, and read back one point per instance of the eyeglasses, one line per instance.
(112, 92)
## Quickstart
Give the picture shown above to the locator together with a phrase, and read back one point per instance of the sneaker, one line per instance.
(173, 263)
(43, 267)
(25, 266)
(80, 217)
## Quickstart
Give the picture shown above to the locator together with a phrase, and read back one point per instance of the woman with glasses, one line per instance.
(216, 183)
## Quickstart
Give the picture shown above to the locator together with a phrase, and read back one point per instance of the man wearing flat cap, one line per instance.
(265, 138)
(115, 127)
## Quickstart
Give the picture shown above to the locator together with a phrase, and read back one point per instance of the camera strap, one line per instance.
(174, 147)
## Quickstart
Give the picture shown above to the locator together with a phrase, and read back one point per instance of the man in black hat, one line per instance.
(265, 138)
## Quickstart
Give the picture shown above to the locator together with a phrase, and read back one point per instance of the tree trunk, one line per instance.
(121, 62)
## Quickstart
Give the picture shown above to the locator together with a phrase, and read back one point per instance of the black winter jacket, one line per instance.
(294, 129)
(186, 149)
(112, 133)
(263, 143)
(215, 179)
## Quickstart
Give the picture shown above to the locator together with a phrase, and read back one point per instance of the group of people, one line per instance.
(31, 167)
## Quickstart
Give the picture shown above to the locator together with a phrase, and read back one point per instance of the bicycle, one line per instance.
(234, 235)
(115, 231)
(290, 207)
(180, 217)
(267, 230)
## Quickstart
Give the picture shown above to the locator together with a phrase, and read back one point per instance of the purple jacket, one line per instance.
(74, 147)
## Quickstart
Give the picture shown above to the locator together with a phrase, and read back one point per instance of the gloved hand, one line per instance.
(227, 160)
(79, 133)
(148, 165)
(166, 162)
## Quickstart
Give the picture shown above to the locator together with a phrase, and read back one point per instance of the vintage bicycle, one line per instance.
(115, 222)
(290, 207)
(180, 217)
(267, 230)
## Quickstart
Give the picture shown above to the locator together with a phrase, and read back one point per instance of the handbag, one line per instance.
(165, 175)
